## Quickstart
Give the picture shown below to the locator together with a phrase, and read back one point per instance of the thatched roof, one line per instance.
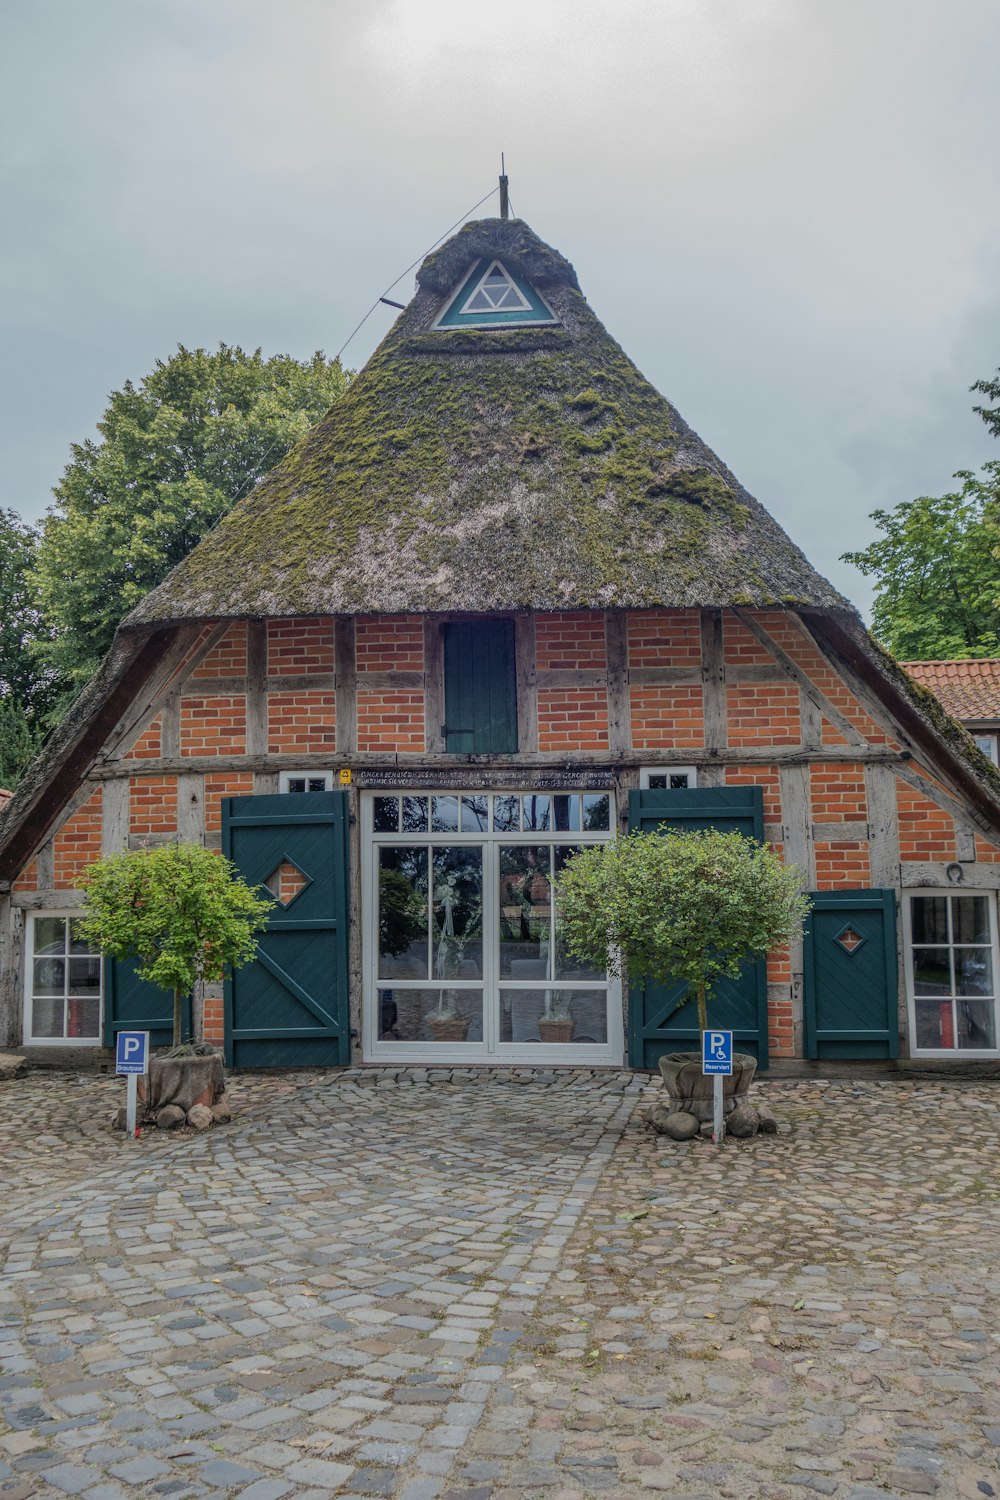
(484, 469)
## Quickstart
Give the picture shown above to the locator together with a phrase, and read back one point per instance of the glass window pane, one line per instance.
(430, 1015)
(47, 1017)
(85, 976)
(457, 912)
(931, 971)
(657, 781)
(403, 913)
(535, 814)
(444, 814)
(566, 965)
(525, 911)
(50, 934)
(317, 783)
(976, 1024)
(679, 781)
(973, 971)
(83, 1018)
(414, 814)
(929, 919)
(935, 1023)
(385, 815)
(970, 919)
(553, 1017)
(596, 812)
(506, 814)
(296, 783)
(76, 943)
(566, 814)
(49, 976)
(475, 814)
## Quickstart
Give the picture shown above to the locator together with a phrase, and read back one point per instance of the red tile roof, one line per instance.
(967, 689)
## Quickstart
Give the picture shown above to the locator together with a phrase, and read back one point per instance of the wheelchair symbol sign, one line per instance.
(717, 1052)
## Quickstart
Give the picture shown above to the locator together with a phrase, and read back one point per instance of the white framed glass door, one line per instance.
(463, 955)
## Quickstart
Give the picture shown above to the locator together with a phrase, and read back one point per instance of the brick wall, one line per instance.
(575, 640)
(838, 793)
(572, 719)
(214, 725)
(226, 659)
(767, 714)
(233, 784)
(301, 723)
(666, 718)
(296, 647)
(149, 744)
(926, 831)
(842, 864)
(153, 805)
(78, 843)
(389, 643)
(664, 638)
(391, 719)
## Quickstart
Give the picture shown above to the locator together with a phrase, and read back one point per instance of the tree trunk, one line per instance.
(178, 1024)
(699, 996)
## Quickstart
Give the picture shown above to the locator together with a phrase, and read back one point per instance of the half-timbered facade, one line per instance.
(500, 603)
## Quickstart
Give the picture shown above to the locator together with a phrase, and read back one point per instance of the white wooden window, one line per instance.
(463, 952)
(305, 781)
(951, 971)
(988, 745)
(63, 984)
(667, 778)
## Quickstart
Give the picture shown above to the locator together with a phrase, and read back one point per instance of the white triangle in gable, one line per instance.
(496, 292)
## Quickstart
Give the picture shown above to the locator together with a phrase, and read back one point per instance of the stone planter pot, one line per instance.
(690, 1089)
(555, 1031)
(449, 1028)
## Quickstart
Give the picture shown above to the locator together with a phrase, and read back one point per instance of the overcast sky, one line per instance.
(787, 211)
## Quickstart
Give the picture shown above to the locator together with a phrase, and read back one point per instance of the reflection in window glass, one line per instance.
(475, 814)
(457, 913)
(931, 971)
(952, 973)
(553, 1016)
(525, 927)
(385, 815)
(970, 918)
(403, 916)
(929, 919)
(566, 814)
(596, 813)
(430, 1015)
(444, 814)
(568, 966)
(414, 815)
(506, 814)
(535, 814)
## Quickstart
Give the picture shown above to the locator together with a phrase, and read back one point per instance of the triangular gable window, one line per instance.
(491, 296)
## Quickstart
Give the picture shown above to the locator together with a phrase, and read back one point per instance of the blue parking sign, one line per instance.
(132, 1052)
(717, 1052)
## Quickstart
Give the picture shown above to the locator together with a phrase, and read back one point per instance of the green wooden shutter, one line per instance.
(289, 1008)
(480, 693)
(850, 979)
(656, 1024)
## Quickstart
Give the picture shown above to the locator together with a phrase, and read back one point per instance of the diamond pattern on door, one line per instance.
(849, 940)
(286, 881)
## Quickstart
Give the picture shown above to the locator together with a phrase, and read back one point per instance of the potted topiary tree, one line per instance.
(668, 906)
(555, 1024)
(184, 913)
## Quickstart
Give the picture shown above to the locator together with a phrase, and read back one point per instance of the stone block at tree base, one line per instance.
(199, 1117)
(169, 1117)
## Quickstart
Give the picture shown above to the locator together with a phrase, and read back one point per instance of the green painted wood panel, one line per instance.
(480, 691)
(289, 1008)
(850, 1006)
(656, 1024)
(133, 1004)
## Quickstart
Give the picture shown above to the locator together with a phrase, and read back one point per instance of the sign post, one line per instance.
(132, 1059)
(717, 1060)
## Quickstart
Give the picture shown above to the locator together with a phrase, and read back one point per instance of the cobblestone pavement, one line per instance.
(475, 1290)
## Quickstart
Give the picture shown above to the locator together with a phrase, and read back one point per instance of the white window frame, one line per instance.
(691, 772)
(987, 743)
(284, 777)
(64, 913)
(490, 1050)
(959, 1054)
(495, 319)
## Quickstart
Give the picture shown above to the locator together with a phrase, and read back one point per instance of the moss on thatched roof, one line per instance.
(491, 469)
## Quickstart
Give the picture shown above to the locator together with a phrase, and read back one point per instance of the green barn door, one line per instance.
(133, 1004)
(289, 1008)
(656, 1023)
(849, 975)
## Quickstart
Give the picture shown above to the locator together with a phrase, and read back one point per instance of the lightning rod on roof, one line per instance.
(504, 204)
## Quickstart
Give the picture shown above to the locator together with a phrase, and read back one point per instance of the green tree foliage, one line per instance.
(937, 574)
(679, 906)
(28, 689)
(181, 910)
(175, 453)
(989, 414)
